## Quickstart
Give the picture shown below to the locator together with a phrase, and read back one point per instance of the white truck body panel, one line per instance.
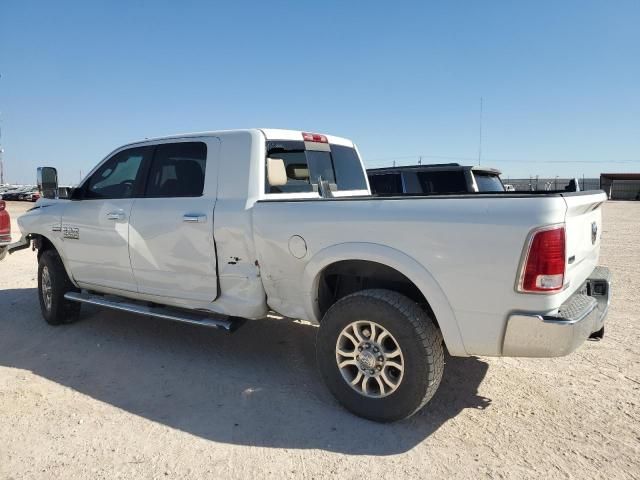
(256, 251)
(467, 244)
(100, 256)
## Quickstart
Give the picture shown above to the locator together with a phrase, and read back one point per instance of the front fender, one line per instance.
(45, 220)
(397, 260)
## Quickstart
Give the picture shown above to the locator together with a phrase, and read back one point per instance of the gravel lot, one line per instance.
(123, 396)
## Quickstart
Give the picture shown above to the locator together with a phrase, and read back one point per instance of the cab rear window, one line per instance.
(488, 182)
(304, 168)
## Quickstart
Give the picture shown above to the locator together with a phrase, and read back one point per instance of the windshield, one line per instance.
(488, 182)
(340, 166)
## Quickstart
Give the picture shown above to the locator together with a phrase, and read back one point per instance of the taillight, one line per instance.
(543, 269)
(5, 224)
(314, 137)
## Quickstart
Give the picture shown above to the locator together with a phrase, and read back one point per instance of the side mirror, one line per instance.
(276, 172)
(48, 182)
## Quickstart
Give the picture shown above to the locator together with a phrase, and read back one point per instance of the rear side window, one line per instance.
(297, 168)
(386, 184)
(348, 168)
(118, 177)
(340, 167)
(488, 182)
(442, 182)
(177, 170)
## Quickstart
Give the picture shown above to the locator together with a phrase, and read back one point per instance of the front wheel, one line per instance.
(380, 354)
(53, 283)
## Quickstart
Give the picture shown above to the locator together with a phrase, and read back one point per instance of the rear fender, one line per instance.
(392, 258)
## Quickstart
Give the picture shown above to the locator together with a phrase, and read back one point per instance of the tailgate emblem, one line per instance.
(594, 233)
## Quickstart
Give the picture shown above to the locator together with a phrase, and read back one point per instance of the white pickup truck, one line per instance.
(214, 228)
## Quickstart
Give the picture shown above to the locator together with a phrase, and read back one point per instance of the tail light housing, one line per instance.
(5, 223)
(314, 137)
(544, 263)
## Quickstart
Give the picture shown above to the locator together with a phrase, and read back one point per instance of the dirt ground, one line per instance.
(123, 396)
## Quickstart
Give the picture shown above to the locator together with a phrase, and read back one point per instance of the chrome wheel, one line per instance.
(370, 359)
(47, 292)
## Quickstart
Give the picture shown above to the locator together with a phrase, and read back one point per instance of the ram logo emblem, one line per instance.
(594, 232)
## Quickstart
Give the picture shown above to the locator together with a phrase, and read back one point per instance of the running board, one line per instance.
(194, 318)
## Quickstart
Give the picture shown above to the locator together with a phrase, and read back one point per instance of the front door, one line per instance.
(95, 226)
(171, 241)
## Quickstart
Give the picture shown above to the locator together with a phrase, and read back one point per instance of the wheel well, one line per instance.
(42, 244)
(343, 278)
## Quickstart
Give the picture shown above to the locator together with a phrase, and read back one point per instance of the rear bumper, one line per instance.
(581, 316)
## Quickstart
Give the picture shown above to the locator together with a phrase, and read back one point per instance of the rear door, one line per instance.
(95, 226)
(171, 230)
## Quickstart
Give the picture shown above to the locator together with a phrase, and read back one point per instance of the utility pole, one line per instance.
(420, 160)
(480, 136)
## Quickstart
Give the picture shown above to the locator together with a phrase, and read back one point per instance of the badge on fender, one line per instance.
(70, 232)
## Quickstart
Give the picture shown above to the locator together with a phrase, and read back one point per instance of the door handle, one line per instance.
(115, 215)
(194, 218)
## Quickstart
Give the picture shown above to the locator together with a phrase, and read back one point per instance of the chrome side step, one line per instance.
(166, 313)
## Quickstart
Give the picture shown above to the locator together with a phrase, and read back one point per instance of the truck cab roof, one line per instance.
(269, 134)
(434, 167)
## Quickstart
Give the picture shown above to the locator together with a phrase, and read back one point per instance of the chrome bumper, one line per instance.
(12, 247)
(580, 317)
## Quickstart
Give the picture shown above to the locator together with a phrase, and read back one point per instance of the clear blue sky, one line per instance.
(560, 80)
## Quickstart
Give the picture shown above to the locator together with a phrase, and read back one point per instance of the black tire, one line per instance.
(57, 310)
(414, 332)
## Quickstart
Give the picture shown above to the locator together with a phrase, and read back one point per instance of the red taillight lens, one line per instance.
(544, 267)
(314, 137)
(5, 224)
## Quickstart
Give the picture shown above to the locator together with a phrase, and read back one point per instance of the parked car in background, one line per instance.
(21, 192)
(11, 194)
(5, 229)
(18, 192)
(26, 195)
(434, 179)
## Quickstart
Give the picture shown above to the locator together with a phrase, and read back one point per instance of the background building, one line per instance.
(621, 186)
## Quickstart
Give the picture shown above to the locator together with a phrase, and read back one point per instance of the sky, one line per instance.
(559, 81)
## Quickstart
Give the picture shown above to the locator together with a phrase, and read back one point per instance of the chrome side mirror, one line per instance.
(48, 182)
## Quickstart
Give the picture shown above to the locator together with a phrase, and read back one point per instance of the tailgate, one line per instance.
(583, 229)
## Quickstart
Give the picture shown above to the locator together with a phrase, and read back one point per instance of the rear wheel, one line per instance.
(53, 283)
(380, 354)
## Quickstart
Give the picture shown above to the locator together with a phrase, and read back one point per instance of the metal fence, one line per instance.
(550, 183)
(624, 190)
